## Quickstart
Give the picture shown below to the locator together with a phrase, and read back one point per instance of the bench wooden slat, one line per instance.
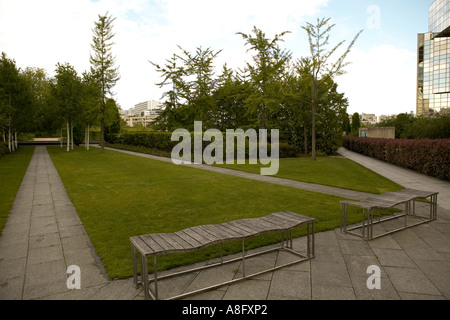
(210, 228)
(187, 238)
(418, 194)
(192, 233)
(297, 217)
(230, 233)
(152, 243)
(257, 225)
(287, 219)
(276, 221)
(233, 228)
(241, 228)
(202, 230)
(216, 233)
(158, 239)
(141, 245)
(183, 243)
(168, 238)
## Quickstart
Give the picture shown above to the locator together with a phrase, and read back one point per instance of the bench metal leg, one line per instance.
(135, 279)
(308, 242)
(144, 276)
(313, 245)
(155, 275)
(243, 259)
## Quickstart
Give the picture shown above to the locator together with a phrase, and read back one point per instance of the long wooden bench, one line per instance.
(201, 236)
(388, 200)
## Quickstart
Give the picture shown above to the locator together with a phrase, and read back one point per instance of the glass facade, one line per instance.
(439, 16)
(433, 73)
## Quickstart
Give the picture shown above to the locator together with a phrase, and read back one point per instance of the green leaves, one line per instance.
(268, 68)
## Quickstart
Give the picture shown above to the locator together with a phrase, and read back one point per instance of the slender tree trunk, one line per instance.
(68, 137)
(102, 126)
(313, 124)
(87, 137)
(9, 139)
(16, 143)
(305, 137)
(61, 138)
(71, 133)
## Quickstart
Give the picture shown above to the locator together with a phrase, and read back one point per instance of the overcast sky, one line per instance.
(380, 80)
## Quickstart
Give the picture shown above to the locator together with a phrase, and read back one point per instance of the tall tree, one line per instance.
(103, 65)
(229, 97)
(67, 92)
(200, 69)
(89, 104)
(322, 67)
(15, 100)
(356, 123)
(297, 94)
(268, 67)
(40, 91)
(173, 73)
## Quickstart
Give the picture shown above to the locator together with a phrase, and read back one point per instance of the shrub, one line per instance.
(430, 157)
(162, 141)
(3, 149)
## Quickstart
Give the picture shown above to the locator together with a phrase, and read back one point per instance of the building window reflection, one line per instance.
(433, 70)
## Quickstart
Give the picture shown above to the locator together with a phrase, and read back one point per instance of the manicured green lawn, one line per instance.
(12, 169)
(118, 196)
(330, 171)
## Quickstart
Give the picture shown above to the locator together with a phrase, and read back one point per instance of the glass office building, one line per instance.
(433, 73)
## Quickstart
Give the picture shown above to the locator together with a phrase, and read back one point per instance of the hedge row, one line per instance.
(162, 141)
(3, 149)
(430, 157)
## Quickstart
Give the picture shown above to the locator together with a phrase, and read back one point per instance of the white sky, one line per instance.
(381, 79)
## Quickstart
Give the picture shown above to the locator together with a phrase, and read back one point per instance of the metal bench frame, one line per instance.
(388, 200)
(284, 222)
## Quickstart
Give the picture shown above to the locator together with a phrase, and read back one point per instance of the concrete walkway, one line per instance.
(44, 236)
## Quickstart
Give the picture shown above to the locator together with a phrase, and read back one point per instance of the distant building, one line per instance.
(433, 63)
(377, 132)
(368, 118)
(151, 107)
(144, 112)
(386, 117)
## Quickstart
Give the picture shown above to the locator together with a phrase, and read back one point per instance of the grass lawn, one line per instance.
(330, 171)
(119, 195)
(12, 170)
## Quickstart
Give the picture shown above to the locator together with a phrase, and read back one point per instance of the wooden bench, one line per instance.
(388, 200)
(201, 236)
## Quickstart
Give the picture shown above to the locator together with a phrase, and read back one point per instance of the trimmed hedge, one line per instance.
(3, 149)
(430, 157)
(162, 141)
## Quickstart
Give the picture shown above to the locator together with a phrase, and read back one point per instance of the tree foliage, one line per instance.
(103, 64)
(271, 92)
